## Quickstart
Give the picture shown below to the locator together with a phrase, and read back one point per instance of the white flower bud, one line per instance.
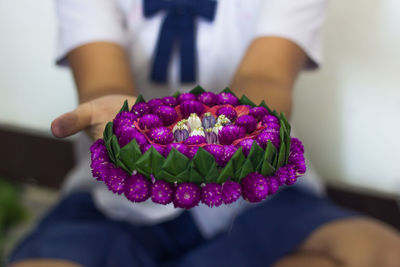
(193, 121)
(198, 131)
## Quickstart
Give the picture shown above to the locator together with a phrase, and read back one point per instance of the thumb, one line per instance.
(72, 122)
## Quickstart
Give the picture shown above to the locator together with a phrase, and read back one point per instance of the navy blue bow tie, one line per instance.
(178, 28)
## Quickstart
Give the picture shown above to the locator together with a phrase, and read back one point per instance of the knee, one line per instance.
(358, 242)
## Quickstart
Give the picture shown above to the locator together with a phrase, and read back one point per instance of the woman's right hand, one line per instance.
(91, 116)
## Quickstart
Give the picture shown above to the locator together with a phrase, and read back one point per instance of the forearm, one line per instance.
(277, 95)
(101, 69)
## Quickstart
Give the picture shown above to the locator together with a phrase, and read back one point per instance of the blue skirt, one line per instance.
(76, 231)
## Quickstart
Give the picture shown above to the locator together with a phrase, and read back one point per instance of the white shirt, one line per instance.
(221, 44)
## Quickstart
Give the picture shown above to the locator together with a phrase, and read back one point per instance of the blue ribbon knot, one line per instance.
(178, 28)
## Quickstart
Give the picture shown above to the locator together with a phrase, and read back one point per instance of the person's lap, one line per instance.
(75, 231)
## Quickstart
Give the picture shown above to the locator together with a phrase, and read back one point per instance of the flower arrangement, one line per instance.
(197, 147)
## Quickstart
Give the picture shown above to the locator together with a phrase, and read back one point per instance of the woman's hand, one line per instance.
(91, 116)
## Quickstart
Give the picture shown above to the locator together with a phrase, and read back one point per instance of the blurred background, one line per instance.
(348, 113)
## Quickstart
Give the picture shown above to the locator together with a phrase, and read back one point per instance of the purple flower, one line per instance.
(291, 174)
(122, 120)
(268, 119)
(217, 151)
(248, 122)
(100, 170)
(211, 137)
(208, 121)
(162, 192)
(154, 104)
(258, 112)
(181, 134)
(263, 138)
(254, 187)
(137, 188)
(141, 139)
(115, 179)
(229, 112)
(246, 146)
(191, 106)
(230, 192)
(157, 147)
(167, 114)
(228, 153)
(191, 151)
(273, 185)
(98, 151)
(230, 133)
(187, 195)
(296, 145)
(281, 176)
(161, 135)
(186, 97)
(212, 195)
(141, 109)
(180, 147)
(208, 99)
(149, 121)
(127, 134)
(227, 98)
(195, 140)
(170, 101)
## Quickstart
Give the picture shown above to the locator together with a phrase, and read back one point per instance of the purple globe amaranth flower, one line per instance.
(141, 109)
(208, 99)
(254, 187)
(211, 136)
(208, 120)
(98, 151)
(212, 195)
(191, 151)
(298, 162)
(281, 176)
(162, 192)
(246, 146)
(291, 174)
(217, 151)
(141, 140)
(155, 103)
(230, 133)
(127, 134)
(263, 138)
(229, 112)
(273, 185)
(296, 145)
(191, 106)
(180, 147)
(167, 114)
(229, 151)
(122, 120)
(170, 101)
(272, 127)
(230, 192)
(100, 170)
(161, 135)
(187, 195)
(137, 188)
(258, 112)
(186, 97)
(115, 179)
(249, 123)
(150, 121)
(157, 147)
(227, 98)
(268, 119)
(195, 140)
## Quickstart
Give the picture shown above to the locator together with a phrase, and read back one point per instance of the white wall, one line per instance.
(353, 103)
(32, 91)
(348, 114)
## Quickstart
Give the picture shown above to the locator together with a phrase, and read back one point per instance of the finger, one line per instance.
(72, 122)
